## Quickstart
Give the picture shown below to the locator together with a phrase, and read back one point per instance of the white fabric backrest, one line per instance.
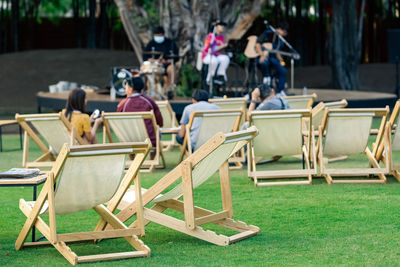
(88, 181)
(204, 169)
(53, 131)
(347, 133)
(128, 128)
(166, 115)
(299, 103)
(211, 124)
(396, 137)
(279, 134)
(317, 119)
(230, 104)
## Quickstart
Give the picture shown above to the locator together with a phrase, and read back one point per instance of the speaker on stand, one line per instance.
(393, 46)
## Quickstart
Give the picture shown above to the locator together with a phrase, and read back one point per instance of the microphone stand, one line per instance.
(210, 65)
(291, 58)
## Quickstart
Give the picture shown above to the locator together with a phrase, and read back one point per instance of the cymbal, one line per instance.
(152, 53)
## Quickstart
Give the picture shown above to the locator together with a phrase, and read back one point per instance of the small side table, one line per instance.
(34, 182)
(6, 123)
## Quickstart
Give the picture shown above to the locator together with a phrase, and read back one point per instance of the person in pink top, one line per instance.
(216, 57)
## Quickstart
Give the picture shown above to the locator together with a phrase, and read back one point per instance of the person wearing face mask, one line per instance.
(166, 46)
(216, 58)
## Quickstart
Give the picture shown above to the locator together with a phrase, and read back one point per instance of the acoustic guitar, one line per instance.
(251, 52)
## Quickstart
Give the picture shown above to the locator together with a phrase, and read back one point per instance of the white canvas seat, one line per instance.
(130, 127)
(347, 133)
(393, 134)
(212, 122)
(317, 113)
(301, 101)
(280, 134)
(234, 103)
(169, 121)
(83, 178)
(54, 128)
(190, 174)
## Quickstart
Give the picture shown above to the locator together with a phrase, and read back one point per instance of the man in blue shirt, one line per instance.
(273, 59)
(200, 102)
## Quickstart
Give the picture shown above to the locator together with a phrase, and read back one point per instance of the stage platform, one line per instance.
(355, 99)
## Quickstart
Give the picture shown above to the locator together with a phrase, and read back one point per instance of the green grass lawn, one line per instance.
(319, 224)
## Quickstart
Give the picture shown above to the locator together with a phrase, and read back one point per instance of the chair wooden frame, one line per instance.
(328, 174)
(186, 148)
(308, 152)
(150, 164)
(48, 194)
(195, 216)
(317, 112)
(234, 103)
(29, 132)
(166, 110)
(307, 99)
(379, 146)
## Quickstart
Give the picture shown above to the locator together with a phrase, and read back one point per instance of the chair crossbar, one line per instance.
(276, 116)
(221, 114)
(42, 119)
(352, 115)
(101, 152)
(124, 117)
(238, 139)
(300, 100)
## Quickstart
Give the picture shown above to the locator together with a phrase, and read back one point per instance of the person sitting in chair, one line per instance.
(269, 100)
(75, 112)
(216, 58)
(135, 101)
(200, 102)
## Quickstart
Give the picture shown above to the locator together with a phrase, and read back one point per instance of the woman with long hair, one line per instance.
(75, 113)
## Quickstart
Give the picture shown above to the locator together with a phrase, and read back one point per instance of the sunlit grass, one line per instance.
(319, 224)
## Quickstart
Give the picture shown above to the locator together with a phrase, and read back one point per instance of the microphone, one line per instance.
(266, 22)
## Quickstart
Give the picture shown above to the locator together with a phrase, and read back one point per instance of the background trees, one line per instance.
(323, 31)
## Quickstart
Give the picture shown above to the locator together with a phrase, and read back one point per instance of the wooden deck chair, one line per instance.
(191, 173)
(54, 128)
(82, 178)
(281, 134)
(130, 127)
(234, 103)
(347, 132)
(301, 101)
(212, 122)
(317, 113)
(394, 137)
(169, 121)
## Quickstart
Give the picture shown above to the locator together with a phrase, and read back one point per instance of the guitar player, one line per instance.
(273, 60)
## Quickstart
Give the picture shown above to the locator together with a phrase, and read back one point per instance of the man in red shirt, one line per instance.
(135, 101)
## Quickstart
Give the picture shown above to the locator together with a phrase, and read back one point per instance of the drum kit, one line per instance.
(154, 70)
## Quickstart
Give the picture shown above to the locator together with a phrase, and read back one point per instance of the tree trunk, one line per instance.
(130, 28)
(14, 23)
(104, 36)
(346, 33)
(187, 21)
(77, 24)
(91, 29)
